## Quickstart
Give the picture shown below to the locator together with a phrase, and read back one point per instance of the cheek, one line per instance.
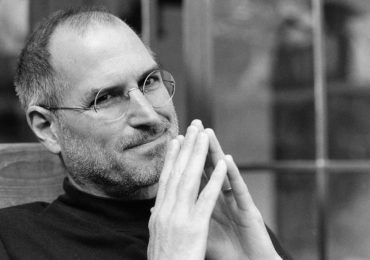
(173, 120)
(91, 131)
(169, 113)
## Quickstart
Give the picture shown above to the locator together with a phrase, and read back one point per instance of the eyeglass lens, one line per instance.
(158, 88)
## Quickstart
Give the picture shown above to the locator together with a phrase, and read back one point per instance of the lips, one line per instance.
(148, 140)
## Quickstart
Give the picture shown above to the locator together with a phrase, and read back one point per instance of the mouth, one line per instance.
(150, 142)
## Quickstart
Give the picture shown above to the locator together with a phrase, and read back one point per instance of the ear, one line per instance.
(44, 126)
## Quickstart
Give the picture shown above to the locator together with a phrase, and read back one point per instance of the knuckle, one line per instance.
(153, 218)
(158, 220)
(151, 224)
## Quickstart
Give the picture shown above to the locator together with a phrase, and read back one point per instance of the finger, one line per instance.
(190, 180)
(252, 220)
(171, 156)
(215, 147)
(186, 147)
(209, 195)
(198, 123)
(180, 139)
(240, 190)
(216, 154)
(204, 179)
(180, 164)
(208, 168)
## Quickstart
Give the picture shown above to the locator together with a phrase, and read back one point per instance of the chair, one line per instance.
(28, 172)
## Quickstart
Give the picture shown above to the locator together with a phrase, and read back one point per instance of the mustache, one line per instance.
(143, 134)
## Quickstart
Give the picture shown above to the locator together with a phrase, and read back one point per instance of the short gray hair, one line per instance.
(36, 82)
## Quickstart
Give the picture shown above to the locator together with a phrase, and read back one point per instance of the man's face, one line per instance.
(122, 158)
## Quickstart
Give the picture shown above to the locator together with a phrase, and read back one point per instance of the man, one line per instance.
(94, 95)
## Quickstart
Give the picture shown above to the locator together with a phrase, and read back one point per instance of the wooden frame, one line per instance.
(28, 172)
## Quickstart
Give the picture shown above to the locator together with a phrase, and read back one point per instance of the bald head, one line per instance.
(79, 56)
(37, 79)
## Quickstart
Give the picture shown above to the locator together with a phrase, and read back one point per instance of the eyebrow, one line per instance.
(90, 96)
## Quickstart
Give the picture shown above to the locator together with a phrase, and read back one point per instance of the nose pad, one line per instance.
(141, 111)
(132, 89)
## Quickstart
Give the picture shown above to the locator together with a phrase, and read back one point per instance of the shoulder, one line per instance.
(14, 213)
(17, 224)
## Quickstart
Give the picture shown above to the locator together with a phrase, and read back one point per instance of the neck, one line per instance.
(147, 192)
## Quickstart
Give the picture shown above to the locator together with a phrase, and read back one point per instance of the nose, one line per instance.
(141, 112)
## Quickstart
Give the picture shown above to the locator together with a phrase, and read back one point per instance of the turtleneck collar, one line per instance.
(112, 211)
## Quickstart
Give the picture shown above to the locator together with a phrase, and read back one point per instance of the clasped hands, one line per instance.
(192, 217)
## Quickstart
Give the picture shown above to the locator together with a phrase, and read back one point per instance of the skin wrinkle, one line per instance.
(142, 136)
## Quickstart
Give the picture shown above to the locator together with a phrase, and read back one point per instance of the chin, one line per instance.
(131, 176)
(133, 183)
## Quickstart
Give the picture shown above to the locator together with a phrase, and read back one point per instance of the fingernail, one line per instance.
(209, 131)
(229, 157)
(196, 121)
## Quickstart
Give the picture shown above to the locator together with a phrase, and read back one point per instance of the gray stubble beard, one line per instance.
(111, 175)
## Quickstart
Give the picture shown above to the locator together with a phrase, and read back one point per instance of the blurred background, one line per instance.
(247, 69)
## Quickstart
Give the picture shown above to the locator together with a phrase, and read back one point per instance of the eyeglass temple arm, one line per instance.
(64, 108)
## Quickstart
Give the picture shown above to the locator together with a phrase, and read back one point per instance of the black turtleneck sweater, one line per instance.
(78, 226)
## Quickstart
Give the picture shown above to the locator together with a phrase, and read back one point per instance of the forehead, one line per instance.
(101, 54)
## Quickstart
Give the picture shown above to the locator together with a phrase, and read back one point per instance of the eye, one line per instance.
(103, 98)
(108, 98)
(149, 81)
(152, 82)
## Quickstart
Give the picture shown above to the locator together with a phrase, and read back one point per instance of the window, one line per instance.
(288, 94)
